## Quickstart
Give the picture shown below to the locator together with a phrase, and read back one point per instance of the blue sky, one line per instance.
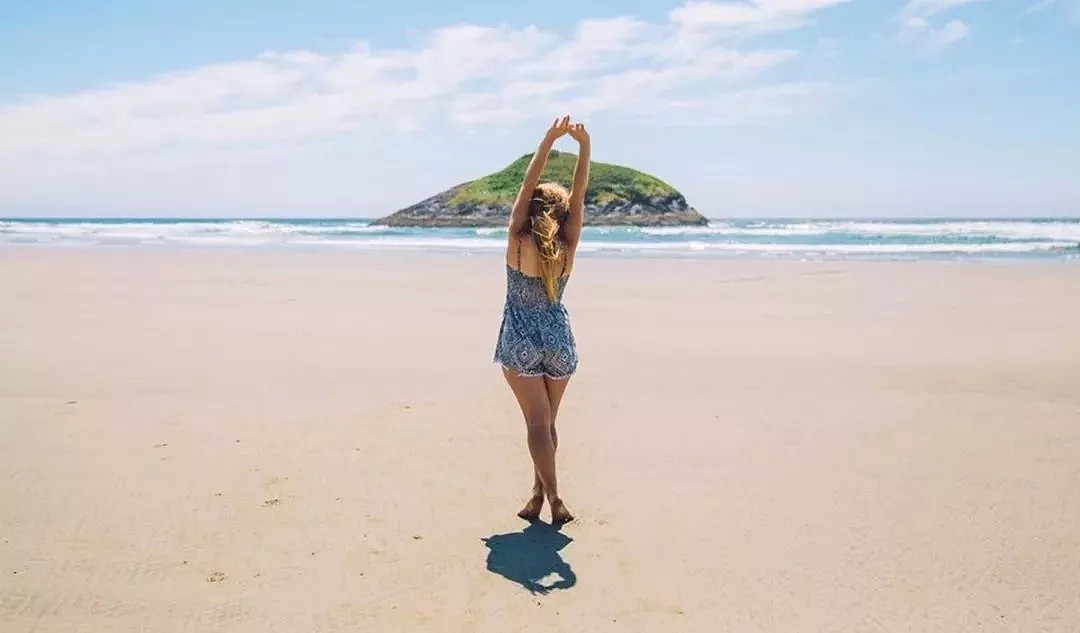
(751, 108)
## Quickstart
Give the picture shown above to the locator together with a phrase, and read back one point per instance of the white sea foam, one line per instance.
(1005, 247)
(727, 229)
(1019, 230)
(854, 249)
(1064, 231)
(766, 237)
(407, 243)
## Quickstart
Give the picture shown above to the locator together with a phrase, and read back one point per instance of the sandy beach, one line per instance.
(319, 441)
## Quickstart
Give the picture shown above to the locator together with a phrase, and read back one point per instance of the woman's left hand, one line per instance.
(558, 128)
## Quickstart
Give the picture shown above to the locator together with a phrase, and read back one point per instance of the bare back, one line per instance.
(530, 255)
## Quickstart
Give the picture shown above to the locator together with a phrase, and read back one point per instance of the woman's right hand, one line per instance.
(578, 133)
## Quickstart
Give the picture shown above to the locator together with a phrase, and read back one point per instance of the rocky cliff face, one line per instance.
(439, 211)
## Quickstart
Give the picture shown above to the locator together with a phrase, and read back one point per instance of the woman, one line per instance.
(536, 346)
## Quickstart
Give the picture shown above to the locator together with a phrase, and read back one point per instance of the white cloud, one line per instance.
(462, 75)
(1071, 8)
(753, 14)
(765, 102)
(932, 38)
(917, 23)
(914, 27)
(930, 8)
(946, 36)
(700, 23)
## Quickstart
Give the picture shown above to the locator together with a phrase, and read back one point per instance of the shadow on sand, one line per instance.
(531, 558)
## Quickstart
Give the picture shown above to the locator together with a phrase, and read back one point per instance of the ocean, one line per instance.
(800, 239)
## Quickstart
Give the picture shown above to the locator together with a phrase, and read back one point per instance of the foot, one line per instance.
(531, 511)
(559, 512)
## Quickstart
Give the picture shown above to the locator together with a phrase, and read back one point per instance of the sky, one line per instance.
(202, 108)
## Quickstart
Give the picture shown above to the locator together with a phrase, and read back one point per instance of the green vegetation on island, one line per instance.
(616, 196)
(607, 183)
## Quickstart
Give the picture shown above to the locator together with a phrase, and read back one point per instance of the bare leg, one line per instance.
(532, 396)
(555, 390)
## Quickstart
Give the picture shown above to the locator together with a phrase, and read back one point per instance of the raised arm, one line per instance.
(572, 230)
(519, 214)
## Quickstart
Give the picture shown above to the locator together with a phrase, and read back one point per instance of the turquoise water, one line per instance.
(778, 238)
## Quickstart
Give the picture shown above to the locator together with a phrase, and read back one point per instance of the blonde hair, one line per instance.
(548, 210)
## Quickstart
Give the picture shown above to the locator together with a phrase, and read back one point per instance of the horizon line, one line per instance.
(290, 218)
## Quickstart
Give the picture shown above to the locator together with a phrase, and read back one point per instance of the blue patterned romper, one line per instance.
(535, 337)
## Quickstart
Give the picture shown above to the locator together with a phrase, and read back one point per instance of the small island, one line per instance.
(617, 196)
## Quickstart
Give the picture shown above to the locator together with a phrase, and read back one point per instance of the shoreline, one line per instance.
(495, 255)
(809, 239)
